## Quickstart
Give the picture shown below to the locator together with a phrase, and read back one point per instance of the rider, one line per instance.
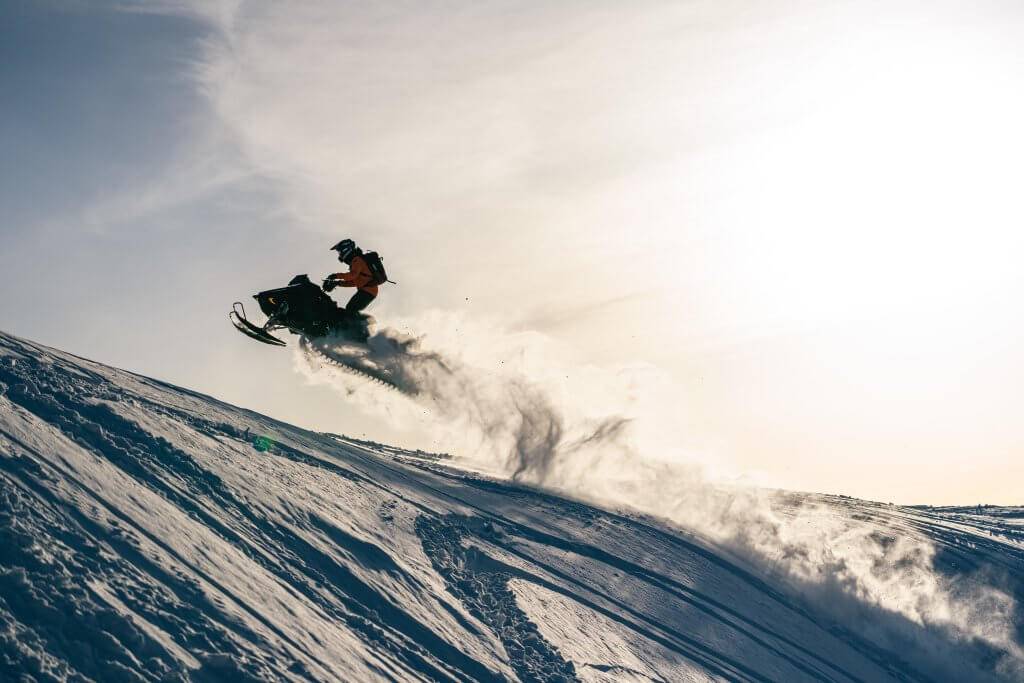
(358, 276)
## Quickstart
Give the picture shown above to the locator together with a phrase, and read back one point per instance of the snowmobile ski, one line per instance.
(242, 324)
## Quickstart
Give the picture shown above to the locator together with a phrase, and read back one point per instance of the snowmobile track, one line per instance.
(323, 359)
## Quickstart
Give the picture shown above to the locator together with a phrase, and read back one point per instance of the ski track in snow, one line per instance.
(145, 538)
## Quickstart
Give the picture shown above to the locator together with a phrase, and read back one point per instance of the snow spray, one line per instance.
(516, 405)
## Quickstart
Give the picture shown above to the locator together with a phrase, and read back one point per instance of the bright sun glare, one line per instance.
(892, 189)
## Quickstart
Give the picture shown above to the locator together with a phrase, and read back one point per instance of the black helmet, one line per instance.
(345, 249)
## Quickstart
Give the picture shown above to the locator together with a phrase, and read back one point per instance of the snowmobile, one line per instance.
(302, 308)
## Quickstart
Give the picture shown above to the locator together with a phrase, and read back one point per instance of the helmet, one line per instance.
(345, 248)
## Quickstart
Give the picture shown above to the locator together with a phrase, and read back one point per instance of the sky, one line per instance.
(804, 216)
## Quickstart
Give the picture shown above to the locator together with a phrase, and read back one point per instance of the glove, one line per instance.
(330, 284)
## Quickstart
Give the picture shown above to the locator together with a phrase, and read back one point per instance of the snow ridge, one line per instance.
(150, 533)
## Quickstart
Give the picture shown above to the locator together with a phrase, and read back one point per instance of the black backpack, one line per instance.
(375, 264)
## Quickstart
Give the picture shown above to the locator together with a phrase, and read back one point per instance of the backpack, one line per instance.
(375, 264)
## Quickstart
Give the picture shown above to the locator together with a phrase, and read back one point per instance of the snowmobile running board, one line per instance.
(243, 325)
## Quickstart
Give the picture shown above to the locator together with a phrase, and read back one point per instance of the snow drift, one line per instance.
(152, 533)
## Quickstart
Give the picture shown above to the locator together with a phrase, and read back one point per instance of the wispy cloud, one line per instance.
(808, 176)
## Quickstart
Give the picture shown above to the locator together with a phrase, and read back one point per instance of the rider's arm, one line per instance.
(357, 276)
(345, 279)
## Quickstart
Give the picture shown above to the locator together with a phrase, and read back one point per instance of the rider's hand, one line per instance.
(330, 284)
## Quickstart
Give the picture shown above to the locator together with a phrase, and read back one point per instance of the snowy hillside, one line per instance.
(151, 533)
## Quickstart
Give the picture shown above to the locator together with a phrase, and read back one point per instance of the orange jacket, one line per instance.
(358, 275)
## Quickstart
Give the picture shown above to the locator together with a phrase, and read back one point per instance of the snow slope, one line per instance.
(148, 532)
